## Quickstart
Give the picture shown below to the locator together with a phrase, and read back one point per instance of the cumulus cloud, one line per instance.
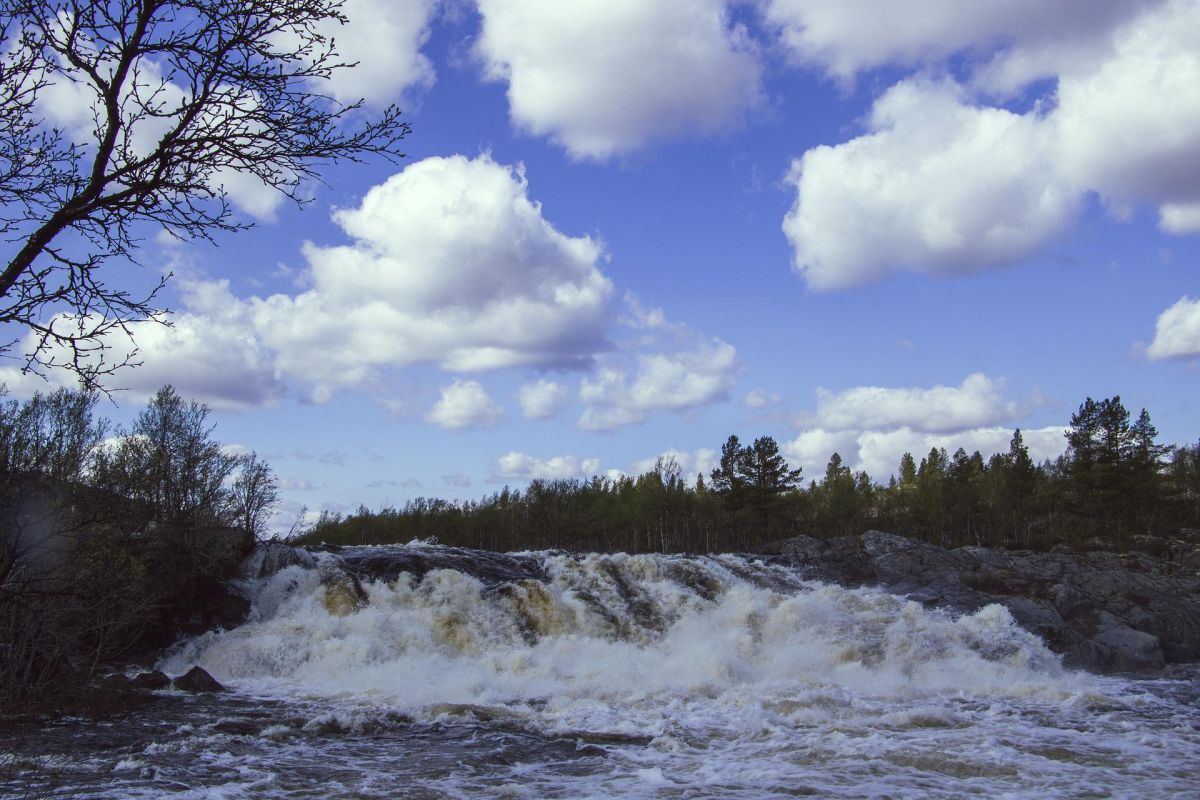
(870, 427)
(879, 452)
(520, 466)
(852, 35)
(811, 449)
(669, 381)
(1177, 332)
(464, 404)
(209, 353)
(72, 107)
(451, 263)
(383, 39)
(937, 186)
(1130, 129)
(944, 182)
(606, 76)
(542, 399)
(1180, 219)
(975, 403)
(757, 398)
(703, 461)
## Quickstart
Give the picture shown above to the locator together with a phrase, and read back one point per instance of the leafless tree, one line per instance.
(181, 96)
(253, 495)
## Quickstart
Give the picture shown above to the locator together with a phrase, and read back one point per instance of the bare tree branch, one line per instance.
(183, 94)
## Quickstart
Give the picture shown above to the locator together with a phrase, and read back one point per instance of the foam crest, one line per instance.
(613, 640)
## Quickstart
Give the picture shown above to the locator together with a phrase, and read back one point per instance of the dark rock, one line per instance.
(1124, 649)
(155, 679)
(1101, 610)
(271, 557)
(116, 682)
(197, 680)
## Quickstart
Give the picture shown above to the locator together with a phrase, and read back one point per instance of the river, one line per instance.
(424, 672)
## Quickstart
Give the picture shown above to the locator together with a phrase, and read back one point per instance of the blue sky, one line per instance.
(630, 228)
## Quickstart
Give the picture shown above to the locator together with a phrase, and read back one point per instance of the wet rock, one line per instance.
(197, 679)
(344, 592)
(1123, 649)
(1101, 610)
(155, 679)
(116, 682)
(271, 557)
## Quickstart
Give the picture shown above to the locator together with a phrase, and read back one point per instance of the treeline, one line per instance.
(112, 540)
(1112, 487)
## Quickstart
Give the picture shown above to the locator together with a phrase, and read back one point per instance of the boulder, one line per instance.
(1123, 649)
(271, 557)
(1101, 610)
(155, 679)
(197, 679)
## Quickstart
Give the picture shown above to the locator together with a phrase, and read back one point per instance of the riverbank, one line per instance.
(1102, 611)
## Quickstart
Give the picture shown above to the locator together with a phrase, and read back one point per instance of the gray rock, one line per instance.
(155, 679)
(1125, 649)
(1101, 610)
(197, 679)
(271, 557)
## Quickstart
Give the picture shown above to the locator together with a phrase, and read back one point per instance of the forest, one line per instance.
(113, 541)
(1114, 487)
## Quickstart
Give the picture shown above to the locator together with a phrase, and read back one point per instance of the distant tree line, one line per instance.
(1114, 486)
(108, 537)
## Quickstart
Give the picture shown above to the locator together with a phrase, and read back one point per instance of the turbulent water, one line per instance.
(444, 673)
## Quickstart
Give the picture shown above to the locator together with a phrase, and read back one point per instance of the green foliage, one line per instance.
(106, 545)
(752, 498)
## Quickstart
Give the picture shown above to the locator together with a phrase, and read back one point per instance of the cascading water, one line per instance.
(426, 671)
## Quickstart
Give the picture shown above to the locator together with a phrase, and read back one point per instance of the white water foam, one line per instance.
(619, 676)
(609, 640)
(695, 677)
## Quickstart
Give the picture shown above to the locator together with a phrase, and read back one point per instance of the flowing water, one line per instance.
(426, 672)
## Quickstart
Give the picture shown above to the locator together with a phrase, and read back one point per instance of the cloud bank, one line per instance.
(603, 77)
(945, 180)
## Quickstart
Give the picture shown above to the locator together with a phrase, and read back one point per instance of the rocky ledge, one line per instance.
(1103, 611)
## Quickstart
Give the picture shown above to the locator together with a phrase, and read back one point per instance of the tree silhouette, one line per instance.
(183, 97)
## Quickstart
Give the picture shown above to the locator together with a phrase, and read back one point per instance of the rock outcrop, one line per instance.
(1105, 611)
(197, 679)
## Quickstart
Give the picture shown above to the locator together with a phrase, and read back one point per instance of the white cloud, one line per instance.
(1130, 128)
(849, 36)
(976, 403)
(383, 39)
(1179, 219)
(1177, 331)
(757, 398)
(451, 263)
(879, 452)
(669, 381)
(72, 107)
(520, 466)
(870, 427)
(208, 353)
(606, 76)
(811, 450)
(702, 461)
(937, 186)
(542, 399)
(464, 404)
(940, 183)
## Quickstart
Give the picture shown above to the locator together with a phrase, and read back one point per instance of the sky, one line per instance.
(624, 229)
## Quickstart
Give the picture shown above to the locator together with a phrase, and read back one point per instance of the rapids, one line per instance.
(422, 671)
